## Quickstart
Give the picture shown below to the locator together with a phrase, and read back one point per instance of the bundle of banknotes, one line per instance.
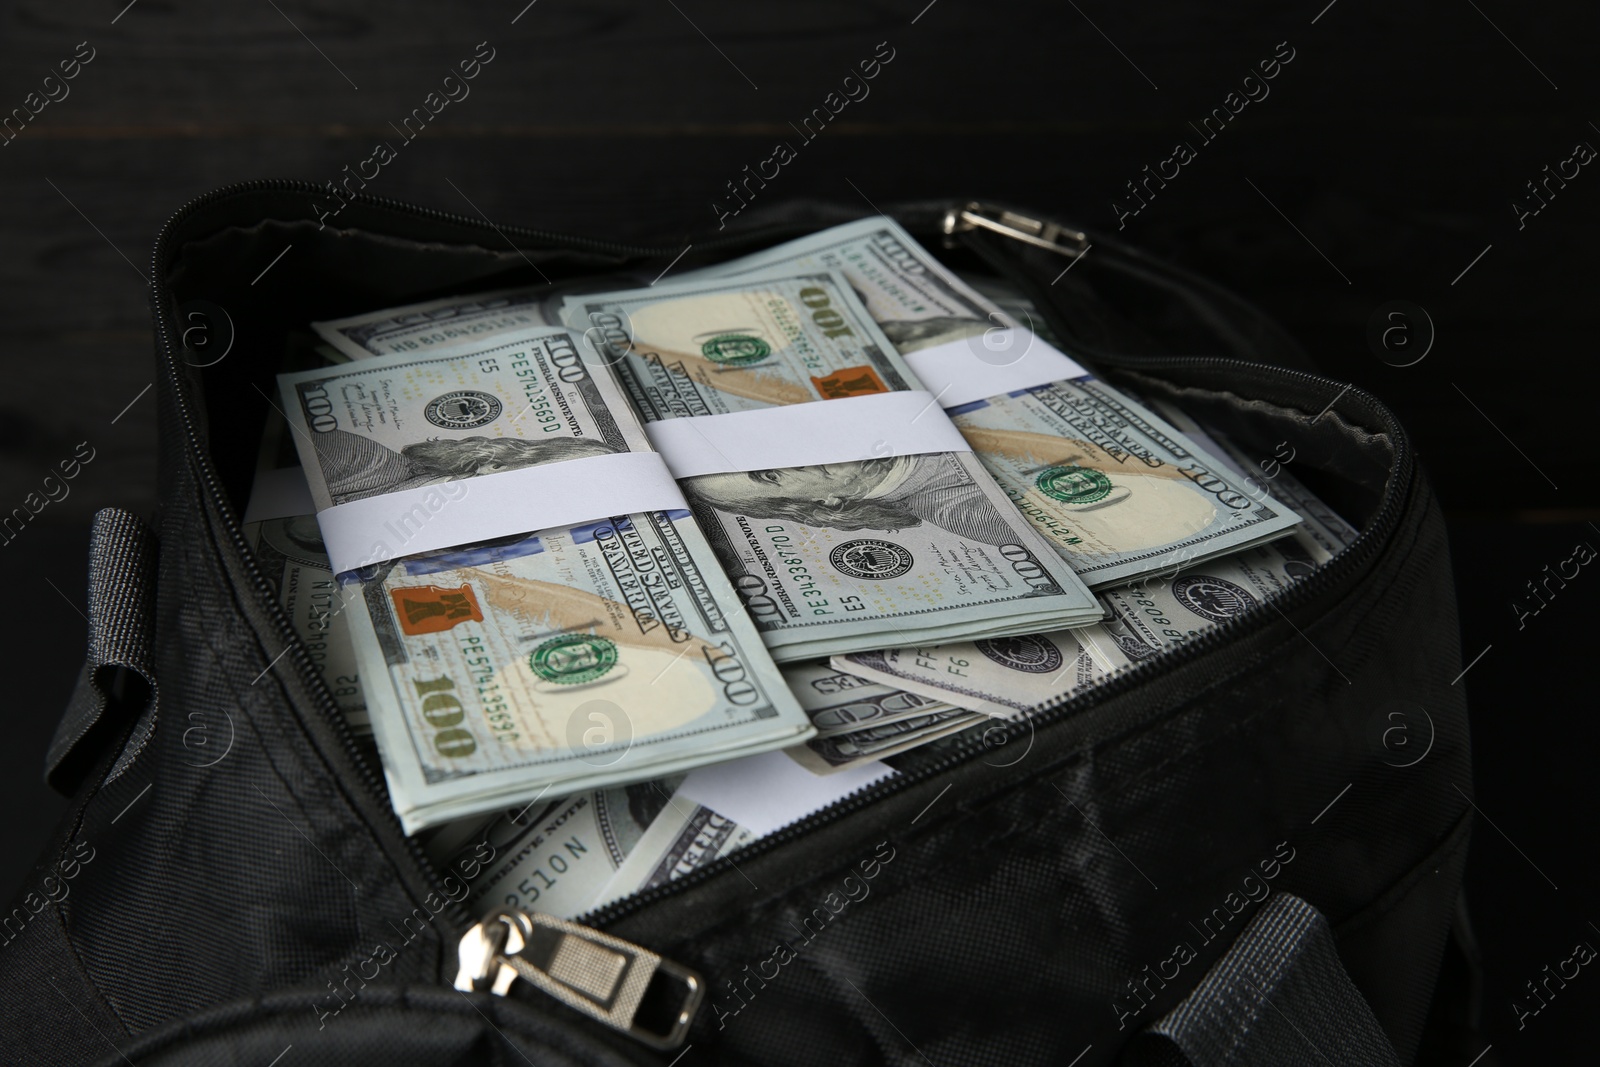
(553, 698)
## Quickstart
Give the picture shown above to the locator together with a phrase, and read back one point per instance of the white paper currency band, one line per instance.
(874, 426)
(520, 501)
(1001, 360)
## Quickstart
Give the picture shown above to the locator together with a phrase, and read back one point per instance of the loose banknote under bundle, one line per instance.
(551, 545)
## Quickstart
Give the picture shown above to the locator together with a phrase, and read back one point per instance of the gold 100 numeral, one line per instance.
(444, 713)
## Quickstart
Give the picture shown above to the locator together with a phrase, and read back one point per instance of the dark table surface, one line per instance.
(1387, 161)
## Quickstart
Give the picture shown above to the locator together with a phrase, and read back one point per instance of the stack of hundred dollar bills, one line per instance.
(579, 853)
(588, 666)
(561, 659)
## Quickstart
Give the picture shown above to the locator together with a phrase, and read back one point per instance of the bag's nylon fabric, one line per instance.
(390, 1026)
(1278, 998)
(1020, 899)
(122, 601)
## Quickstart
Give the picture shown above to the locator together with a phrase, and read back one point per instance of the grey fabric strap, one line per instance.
(1279, 997)
(122, 599)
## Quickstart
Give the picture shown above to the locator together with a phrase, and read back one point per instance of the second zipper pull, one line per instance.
(1036, 232)
(628, 988)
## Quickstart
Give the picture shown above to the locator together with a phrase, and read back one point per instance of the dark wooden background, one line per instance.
(1383, 164)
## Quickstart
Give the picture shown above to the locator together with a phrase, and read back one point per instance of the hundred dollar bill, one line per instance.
(717, 810)
(630, 839)
(827, 755)
(291, 555)
(455, 320)
(1009, 676)
(683, 837)
(556, 856)
(560, 660)
(435, 324)
(288, 546)
(840, 703)
(1115, 490)
(858, 723)
(843, 556)
(1331, 532)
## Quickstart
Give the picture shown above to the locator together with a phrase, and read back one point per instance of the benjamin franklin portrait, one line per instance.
(355, 467)
(873, 494)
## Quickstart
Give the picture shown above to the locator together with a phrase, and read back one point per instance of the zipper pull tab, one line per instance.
(628, 988)
(1036, 232)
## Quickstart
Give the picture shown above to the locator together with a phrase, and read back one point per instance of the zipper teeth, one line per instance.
(425, 868)
(1348, 561)
(331, 712)
(318, 685)
(547, 237)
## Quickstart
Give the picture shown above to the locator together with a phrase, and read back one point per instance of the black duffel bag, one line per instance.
(1246, 850)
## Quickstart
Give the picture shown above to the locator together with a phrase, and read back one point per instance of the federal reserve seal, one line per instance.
(1030, 653)
(1212, 598)
(736, 349)
(1073, 485)
(464, 409)
(871, 558)
(574, 659)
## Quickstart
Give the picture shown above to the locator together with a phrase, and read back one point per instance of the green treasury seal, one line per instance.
(573, 659)
(736, 349)
(1074, 485)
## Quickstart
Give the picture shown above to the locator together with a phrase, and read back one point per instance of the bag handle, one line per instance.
(1107, 321)
(1279, 997)
(119, 671)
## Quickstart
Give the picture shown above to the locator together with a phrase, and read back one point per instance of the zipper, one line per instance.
(331, 714)
(425, 871)
(1329, 576)
(966, 218)
(1040, 233)
(545, 237)
(628, 988)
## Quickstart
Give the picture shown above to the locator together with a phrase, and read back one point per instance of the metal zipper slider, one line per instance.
(628, 988)
(1036, 232)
